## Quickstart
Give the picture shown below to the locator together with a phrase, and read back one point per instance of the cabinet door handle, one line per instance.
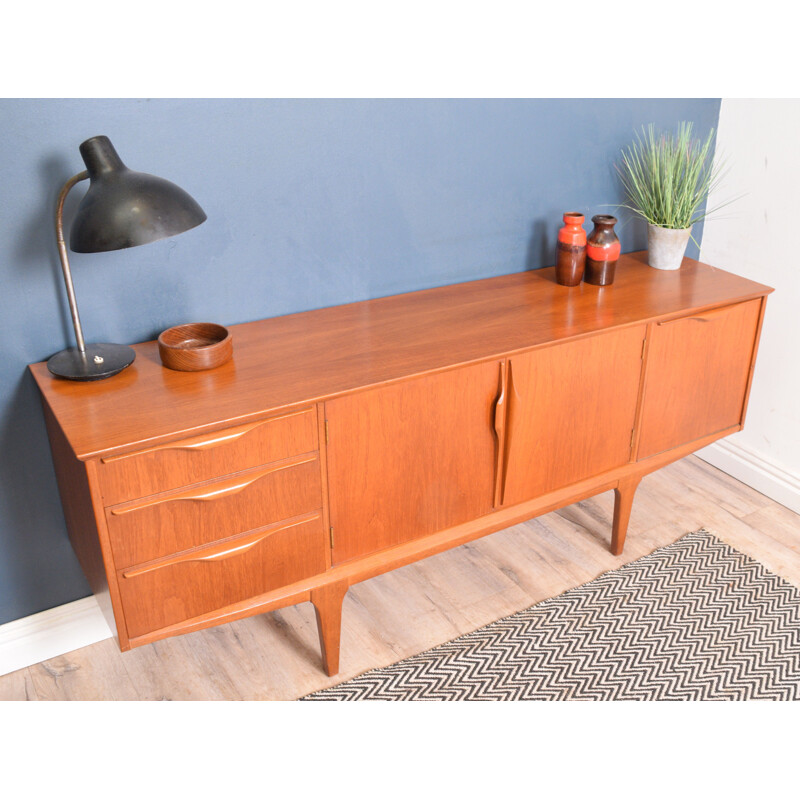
(685, 319)
(205, 442)
(500, 404)
(706, 316)
(221, 552)
(215, 491)
(500, 414)
(511, 412)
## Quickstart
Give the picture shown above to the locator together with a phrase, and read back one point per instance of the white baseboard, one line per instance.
(51, 633)
(746, 466)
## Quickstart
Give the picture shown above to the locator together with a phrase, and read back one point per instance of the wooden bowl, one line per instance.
(196, 346)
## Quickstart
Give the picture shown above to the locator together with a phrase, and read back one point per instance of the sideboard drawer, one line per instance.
(168, 466)
(167, 523)
(204, 580)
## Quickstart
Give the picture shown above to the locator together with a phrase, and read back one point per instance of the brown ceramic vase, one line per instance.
(602, 251)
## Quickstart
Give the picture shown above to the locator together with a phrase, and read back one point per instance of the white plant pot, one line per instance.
(666, 246)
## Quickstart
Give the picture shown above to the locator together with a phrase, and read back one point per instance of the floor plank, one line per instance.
(276, 656)
(91, 673)
(17, 686)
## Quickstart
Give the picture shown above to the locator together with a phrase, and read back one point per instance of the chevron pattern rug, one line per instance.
(695, 620)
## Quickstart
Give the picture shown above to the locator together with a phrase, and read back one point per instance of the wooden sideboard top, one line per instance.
(314, 355)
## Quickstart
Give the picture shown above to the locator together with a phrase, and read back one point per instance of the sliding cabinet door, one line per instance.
(412, 458)
(571, 411)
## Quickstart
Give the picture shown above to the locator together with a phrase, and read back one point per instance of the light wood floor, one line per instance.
(276, 656)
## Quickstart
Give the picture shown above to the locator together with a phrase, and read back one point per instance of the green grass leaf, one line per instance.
(667, 177)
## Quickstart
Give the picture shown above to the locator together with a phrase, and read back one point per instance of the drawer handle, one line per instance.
(205, 443)
(225, 489)
(228, 550)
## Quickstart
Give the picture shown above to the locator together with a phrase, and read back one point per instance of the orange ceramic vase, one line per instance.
(571, 250)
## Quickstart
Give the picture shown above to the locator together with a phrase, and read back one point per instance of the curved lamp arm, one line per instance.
(62, 251)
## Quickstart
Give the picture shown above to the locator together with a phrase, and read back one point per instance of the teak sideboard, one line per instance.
(341, 443)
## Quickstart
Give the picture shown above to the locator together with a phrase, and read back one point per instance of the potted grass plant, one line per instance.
(667, 179)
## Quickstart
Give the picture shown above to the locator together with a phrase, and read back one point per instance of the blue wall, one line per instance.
(310, 203)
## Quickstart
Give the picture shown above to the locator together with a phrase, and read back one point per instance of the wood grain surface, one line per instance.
(199, 581)
(697, 375)
(142, 530)
(301, 358)
(571, 412)
(200, 458)
(410, 459)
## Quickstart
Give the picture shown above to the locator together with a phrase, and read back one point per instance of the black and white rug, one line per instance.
(695, 620)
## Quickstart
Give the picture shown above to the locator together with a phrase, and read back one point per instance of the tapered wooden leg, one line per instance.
(327, 602)
(623, 502)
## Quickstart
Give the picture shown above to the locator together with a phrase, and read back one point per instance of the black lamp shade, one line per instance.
(123, 208)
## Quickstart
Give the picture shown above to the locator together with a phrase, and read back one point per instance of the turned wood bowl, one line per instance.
(196, 346)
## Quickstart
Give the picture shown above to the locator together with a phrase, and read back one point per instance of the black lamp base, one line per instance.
(97, 362)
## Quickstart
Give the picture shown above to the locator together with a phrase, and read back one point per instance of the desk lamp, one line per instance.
(121, 209)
